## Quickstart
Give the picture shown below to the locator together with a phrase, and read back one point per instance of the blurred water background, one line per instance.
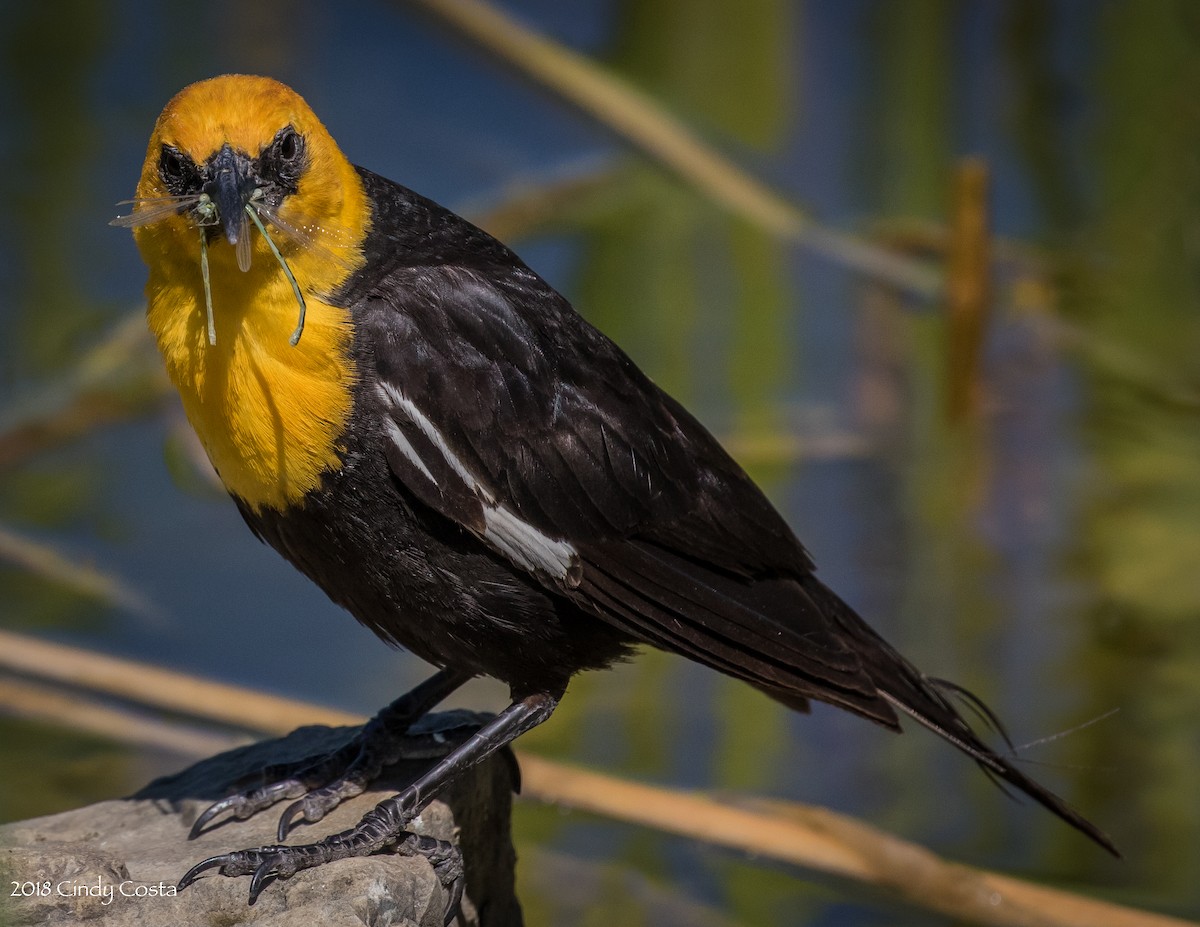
(1028, 529)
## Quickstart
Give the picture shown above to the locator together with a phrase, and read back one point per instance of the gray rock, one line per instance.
(116, 863)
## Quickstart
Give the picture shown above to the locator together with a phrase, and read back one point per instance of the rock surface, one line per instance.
(116, 863)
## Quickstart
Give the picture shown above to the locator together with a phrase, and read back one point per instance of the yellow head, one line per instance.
(247, 212)
(223, 145)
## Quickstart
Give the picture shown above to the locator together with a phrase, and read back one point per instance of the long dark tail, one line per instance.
(925, 700)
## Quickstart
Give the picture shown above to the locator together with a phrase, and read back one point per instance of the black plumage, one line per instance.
(464, 463)
(480, 388)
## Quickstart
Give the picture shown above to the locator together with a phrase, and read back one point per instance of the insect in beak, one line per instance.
(230, 186)
(230, 200)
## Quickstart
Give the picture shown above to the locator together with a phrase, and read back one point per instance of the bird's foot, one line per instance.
(381, 828)
(322, 782)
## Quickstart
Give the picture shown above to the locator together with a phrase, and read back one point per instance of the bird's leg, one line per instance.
(323, 782)
(384, 825)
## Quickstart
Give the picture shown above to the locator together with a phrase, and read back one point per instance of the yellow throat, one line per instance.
(269, 414)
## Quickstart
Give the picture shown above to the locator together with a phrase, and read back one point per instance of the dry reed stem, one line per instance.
(642, 121)
(813, 838)
(968, 290)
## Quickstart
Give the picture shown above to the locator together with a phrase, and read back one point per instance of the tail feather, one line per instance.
(999, 767)
(923, 699)
(793, 638)
(977, 705)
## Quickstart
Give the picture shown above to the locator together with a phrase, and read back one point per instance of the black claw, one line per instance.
(335, 776)
(245, 805)
(454, 902)
(259, 880)
(267, 863)
(321, 784)
(290, 813)
(209, 813)
(213, 862)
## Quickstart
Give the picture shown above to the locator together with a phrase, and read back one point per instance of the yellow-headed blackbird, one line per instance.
(418, 422)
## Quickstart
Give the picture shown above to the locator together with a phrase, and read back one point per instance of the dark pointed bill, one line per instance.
(231, 184)
(230, 199)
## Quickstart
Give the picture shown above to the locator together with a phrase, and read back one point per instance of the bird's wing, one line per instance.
(509, 414)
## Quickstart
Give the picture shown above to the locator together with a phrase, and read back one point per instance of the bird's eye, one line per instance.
(283, 161)
(178, 172)
(288, 145)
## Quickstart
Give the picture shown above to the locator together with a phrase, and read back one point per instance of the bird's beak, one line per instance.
(230, 186)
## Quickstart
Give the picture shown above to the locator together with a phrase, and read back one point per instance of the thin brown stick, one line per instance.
(163, 688)
(816, 838)
(83, 414)
(93, 391)
(804, 836)
(527, 208)
(85, 713)
(84, 579)
(968, 290)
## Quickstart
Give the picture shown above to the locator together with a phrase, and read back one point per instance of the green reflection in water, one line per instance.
(1041, 94)
(47, 310)
(912, 105)
(1139, 540)
(673, 279)
(940, 619)
(46, 66)
(71, 769)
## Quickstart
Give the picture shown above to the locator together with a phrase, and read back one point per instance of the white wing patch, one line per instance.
(504, 530)
(521, 542)
(401, 441)
(403, 404)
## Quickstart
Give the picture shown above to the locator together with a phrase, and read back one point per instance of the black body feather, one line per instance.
(670, 543)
